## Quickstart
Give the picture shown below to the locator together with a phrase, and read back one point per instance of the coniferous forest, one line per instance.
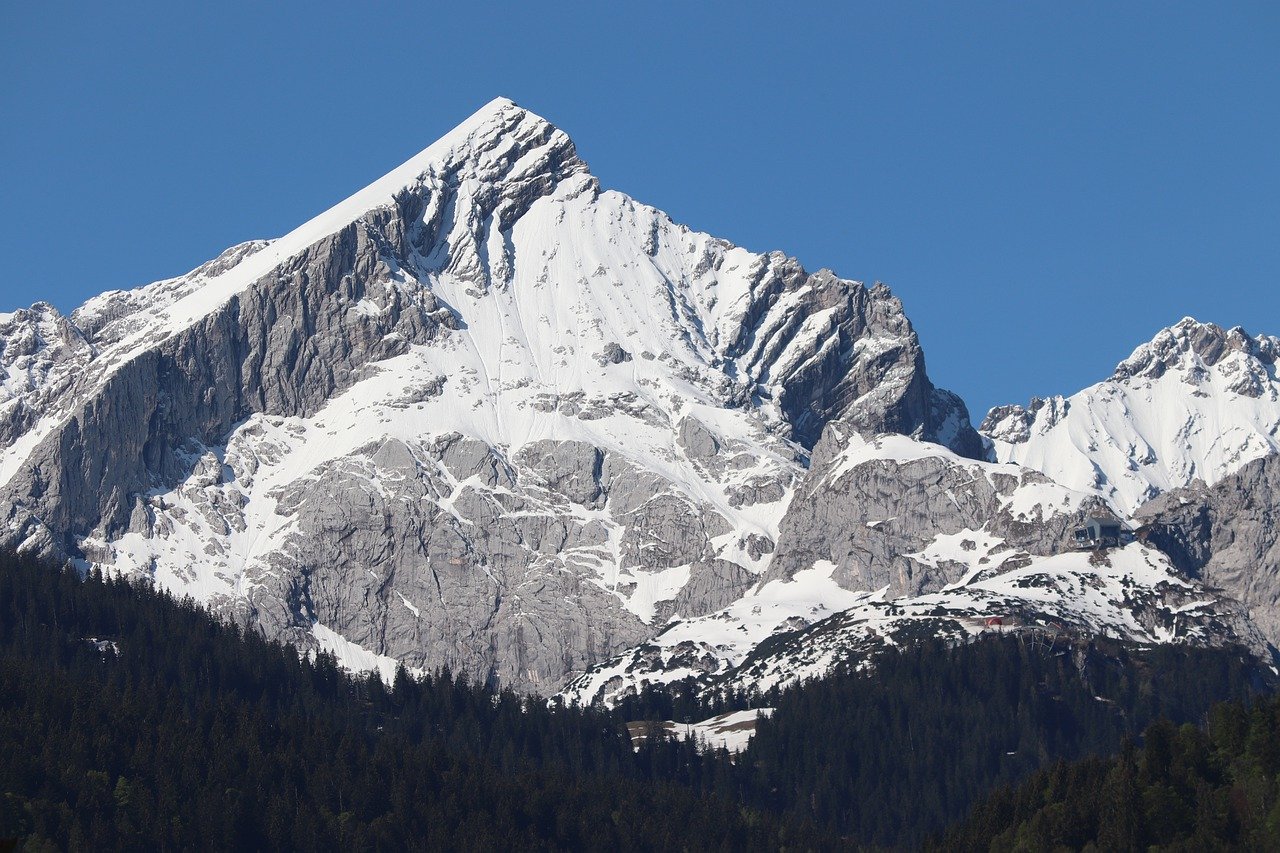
(195, 734)
(198, 735)
(891, 756)
(1191, 788)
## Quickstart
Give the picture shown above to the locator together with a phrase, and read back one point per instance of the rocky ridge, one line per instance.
(891, 540)
(1197, 402)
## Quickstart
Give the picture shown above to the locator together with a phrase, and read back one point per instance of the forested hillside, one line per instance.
(886, 757)
(197, 735)
(1185, 788)
(130, 720)
(889, 756)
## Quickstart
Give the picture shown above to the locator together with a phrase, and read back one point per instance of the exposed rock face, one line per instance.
(41, 354)
(1226, 535)
(1197, 402)
(874, 509)
(481, 414)
(892, 540)
(1244, 359)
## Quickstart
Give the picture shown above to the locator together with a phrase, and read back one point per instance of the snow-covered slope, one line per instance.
(731, 731)
(482, 413)
(786, 631)
(1195, 403)
(995, 548)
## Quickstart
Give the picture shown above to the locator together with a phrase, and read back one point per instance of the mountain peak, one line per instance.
(1196, 402)
(498, 104)
(501, 126)
(492, 166)
(572, 417)
(1192, 346)
(500, 142)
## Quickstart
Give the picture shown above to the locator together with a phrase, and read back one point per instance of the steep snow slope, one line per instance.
(1195, 403)
(482, 414)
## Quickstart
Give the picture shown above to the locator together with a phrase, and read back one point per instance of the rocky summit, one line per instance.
(1196, 403)
(486, 414)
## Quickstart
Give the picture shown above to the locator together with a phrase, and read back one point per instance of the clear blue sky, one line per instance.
(1044, 184)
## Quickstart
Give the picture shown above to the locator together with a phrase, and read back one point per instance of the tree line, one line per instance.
(888, 757)
(187, 732)
(197, 734)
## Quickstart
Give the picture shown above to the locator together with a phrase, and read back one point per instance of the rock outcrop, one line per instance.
(1226, 535)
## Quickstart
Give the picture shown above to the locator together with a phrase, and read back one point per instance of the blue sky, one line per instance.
(1043, 184)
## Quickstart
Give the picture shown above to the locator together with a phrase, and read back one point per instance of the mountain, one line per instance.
(485, 414)
(1182, 438)
(482, 413)
(891, 540)
(1195, 403)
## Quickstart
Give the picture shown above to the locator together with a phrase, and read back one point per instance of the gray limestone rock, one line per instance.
(698, 441)
(869, 520)
(572, 469)
(612, 354)
(711, 586)
(1227, 535)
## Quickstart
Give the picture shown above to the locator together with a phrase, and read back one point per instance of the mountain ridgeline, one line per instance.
(481, 414)
(492, 432)
(486, 414)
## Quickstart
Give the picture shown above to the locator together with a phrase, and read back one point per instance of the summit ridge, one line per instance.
(1196, 402)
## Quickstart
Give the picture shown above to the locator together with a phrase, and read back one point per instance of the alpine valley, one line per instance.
(486, 415)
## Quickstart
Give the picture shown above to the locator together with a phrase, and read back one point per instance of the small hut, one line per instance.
(1098, 533)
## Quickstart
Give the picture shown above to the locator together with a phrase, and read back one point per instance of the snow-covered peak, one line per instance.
(512, 402)
(501, 150)
(1196, 402)
(1192, 349)
(498, 161)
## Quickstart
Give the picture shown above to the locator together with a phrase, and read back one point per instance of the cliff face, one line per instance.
(1226, 535)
